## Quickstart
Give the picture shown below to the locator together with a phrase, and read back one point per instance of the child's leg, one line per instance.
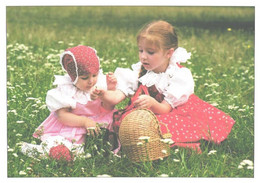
(31, 150)
(43, 149)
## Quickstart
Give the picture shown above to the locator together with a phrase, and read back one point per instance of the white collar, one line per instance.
(161, 80)
(67, 86)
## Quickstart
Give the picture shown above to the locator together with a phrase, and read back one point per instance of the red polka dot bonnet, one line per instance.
(79, 60)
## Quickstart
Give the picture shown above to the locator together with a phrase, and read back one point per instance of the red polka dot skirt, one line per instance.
(196, 120)
(188, 123)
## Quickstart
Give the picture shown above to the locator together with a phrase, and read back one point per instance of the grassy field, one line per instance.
(221, 40)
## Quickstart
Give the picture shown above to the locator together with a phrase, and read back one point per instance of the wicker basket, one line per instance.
(142, 123)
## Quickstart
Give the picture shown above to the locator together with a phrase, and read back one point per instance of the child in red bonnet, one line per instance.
(73, 113)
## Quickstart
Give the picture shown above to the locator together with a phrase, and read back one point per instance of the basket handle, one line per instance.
(139, 91)
(144, 89)
(166, 135)
(131, 105)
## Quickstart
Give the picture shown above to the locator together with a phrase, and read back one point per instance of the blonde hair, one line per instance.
(160, 33)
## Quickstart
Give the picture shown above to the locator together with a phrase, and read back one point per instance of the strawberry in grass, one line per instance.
(60, 152)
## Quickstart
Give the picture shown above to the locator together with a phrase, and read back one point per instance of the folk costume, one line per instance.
(191, 119)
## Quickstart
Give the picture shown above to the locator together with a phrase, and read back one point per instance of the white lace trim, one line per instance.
(176, 83)
(160, 80)
(67, 86)
(66, 94)
(76, 65)
(163, 80)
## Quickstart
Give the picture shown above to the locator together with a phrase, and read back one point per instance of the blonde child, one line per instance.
(73, 113)
(170, 89)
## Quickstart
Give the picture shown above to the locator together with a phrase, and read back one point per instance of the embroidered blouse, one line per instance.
(176, 83)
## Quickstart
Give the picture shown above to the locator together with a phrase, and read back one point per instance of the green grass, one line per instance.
(222, 65)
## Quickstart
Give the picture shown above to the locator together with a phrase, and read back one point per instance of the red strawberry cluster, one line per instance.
(60, 152)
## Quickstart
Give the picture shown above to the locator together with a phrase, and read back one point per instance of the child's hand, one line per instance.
(96, 93)
(111, 81)
(92, 128)
(144, 101)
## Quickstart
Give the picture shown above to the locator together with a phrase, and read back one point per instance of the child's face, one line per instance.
(153, 58)
(86, 82)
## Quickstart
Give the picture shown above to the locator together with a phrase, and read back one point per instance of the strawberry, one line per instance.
(60, 152)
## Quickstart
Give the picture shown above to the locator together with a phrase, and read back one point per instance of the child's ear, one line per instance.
(170, 52)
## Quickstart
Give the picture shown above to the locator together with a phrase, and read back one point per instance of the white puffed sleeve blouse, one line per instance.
(176, 84)
(66, 94)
